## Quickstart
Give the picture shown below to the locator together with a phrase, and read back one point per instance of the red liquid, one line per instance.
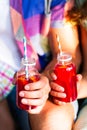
(21, 82)
(66, 77)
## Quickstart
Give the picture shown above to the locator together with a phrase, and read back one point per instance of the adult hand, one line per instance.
(36, 94)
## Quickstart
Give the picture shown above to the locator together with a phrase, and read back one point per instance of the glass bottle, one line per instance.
(65, 71)
(27, 74)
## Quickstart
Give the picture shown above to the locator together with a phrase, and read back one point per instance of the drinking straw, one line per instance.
(25, 48)
(25, 57)
(60, 49)
(59, 45)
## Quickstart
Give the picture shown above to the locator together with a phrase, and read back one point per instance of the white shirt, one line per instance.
(9, 52)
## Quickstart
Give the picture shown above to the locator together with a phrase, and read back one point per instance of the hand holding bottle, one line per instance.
(35, 95)
(32, 88)
(58, 91)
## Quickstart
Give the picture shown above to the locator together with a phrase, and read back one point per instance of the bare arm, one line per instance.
(69, 42)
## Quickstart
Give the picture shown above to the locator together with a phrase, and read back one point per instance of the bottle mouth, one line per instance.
(28, 62)
(64, 57)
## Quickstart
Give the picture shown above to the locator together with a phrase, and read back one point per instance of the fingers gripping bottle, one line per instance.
(65, 71)
(27, 74)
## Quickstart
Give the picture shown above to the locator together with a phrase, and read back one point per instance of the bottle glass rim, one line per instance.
(64, 57)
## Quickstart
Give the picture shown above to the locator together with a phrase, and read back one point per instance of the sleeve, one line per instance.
(6, 70)
(57, 15)
(6, 77)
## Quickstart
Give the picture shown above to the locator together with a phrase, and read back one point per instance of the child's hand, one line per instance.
(57, 91)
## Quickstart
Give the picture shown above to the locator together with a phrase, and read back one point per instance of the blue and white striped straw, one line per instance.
(25, 48)
(25, 56)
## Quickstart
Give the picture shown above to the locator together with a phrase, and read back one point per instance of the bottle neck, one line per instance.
(64, 58)
(30, 62)
(28, 67)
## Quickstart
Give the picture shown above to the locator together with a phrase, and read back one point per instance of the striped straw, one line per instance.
(59, 45)
(25, 48)
(25, 56)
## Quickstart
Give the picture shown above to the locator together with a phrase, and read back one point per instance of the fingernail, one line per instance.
(27, 87)
(21, 94)
(64, 95)
(24, 101)
(62, 89)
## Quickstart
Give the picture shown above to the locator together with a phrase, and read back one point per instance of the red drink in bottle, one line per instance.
(22, 80)
(65, 71)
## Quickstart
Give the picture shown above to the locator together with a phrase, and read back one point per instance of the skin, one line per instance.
(82, 89)
(37, 94)
(72, 46)
(6, 120)
(45, 117)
